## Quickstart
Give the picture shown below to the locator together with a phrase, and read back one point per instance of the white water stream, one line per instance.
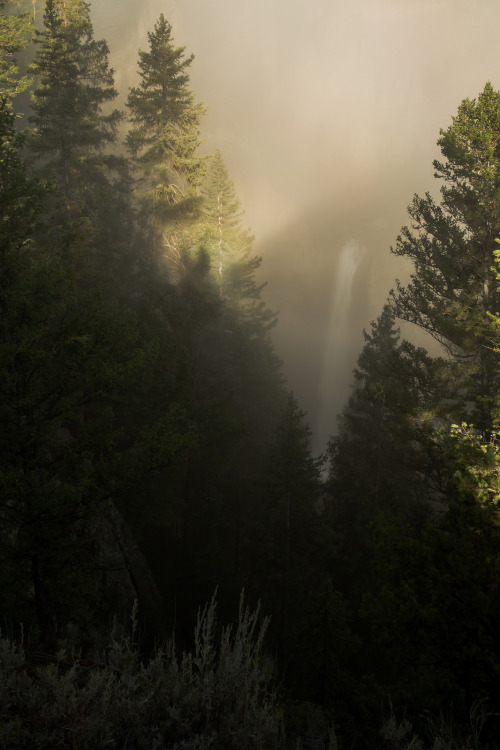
(334, 377)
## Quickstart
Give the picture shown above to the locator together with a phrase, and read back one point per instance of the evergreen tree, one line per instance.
(15, 34)
(72, 136)
(229, 246)
(223, 236)
(164, 137)
(421, 575)
(451, 246)
(229, 383)
(376, 457)
(433, 606)
(69, 363)
(289, 517)
(381, 477)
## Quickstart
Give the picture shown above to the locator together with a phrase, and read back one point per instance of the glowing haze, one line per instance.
(327, 113)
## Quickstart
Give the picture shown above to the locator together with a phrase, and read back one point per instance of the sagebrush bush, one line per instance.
(216, 696)
(442, 735)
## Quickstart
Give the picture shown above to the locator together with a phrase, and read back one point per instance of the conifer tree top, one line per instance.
(164, 138)
(451, 245)
(15, 33)
(163, 93)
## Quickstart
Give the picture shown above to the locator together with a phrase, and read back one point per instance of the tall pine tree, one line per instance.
(451, 246)
(164, 138)
(229, 246)
(73, 137)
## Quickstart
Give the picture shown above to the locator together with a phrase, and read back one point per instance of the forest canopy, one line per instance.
(152, 453)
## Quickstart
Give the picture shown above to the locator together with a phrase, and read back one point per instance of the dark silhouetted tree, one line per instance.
(72, 139)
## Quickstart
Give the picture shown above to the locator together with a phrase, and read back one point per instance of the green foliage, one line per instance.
(478, 465)
(20, 197)
(216, 695)
(219, 365)
(414, 496)
(293, 486)
(287, 548)
(436, 623)
(378, 462)
(377, 452)
(72, 138)
(15, 34)
(68, 358)
(450, 245)
(161, 394)
(229, 246)
(164, 136)
(293, 474)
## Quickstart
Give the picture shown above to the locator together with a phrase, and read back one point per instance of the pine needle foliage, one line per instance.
(164, 136)
(15, 34)
(72, 133)
(450, 245)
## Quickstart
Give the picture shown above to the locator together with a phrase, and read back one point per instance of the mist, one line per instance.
(327, 114)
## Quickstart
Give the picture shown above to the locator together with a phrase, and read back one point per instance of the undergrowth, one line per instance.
(219, 695)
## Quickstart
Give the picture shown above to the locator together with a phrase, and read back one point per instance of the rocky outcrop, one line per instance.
(124, 572)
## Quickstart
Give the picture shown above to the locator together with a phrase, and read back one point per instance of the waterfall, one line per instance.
(335, 376)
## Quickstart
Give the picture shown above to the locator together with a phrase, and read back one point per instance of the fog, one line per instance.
(327, 113)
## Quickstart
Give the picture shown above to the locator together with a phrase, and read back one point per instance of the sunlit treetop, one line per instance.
(69, 11)
(450, 243)
(164, 89)
(471, 147)
(164, 138)
(230, 244)
(16, 31)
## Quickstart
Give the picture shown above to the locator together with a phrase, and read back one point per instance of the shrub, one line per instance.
(216, 696)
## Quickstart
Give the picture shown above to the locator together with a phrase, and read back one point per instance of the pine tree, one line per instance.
(292, 491)
(432, 606)
(414, 502)
(72, 136)
(70, 361)
(15, 34)
(286, 555)
(451, 246)
(229, 246)
(380, 461)
(164, 137)
(223, 235)
(394, 395)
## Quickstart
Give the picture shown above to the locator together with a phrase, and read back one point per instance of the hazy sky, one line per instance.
(327, 113)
